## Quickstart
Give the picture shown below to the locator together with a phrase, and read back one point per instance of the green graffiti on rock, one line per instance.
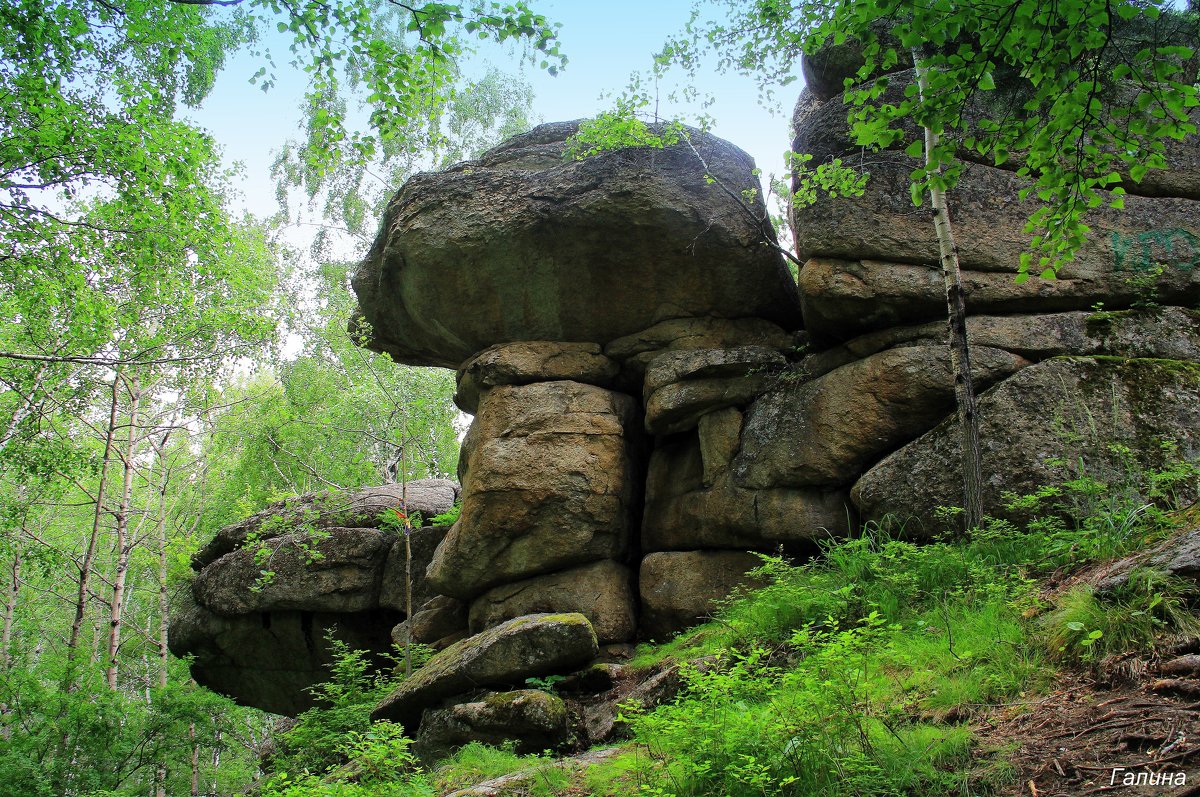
(1144, 251)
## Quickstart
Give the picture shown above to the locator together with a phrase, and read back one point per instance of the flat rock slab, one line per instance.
(330, 570)
(682, 386)
(1170, 333)
(846, 298)
(536, 246)
(531, 361)
(357, 508)
(989, 220)
(525, 647)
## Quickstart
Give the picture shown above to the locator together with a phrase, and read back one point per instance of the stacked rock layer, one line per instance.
(656, 400)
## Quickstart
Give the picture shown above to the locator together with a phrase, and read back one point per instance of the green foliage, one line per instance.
(94, 740)
(474, 763)
(618, 129)
(1148, 608)
(378, 763)
(447, 518)
(322, 736)
(1081, 96)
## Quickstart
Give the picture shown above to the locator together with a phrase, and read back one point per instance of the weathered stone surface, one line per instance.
(422, 543)
(825, 432)
(530, 646)
(827, 69)
(843, 299)
(526, 240)
(1171, 333)
(601, 592)
(681, 386)
(336, 573)
(549, 481)
(438, 618)
(531, 719)
(1178, 557)
(682, 512)
(682, 588)
(989, 220)
(531, 361)
(720, 434)
(1059, 410)
(673, 367)
(359, 508)
(270, 659)
(636, 351)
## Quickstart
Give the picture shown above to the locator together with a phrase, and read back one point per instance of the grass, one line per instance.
(861, 672)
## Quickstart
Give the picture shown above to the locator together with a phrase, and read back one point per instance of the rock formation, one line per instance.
(264, 639)
(655, 400)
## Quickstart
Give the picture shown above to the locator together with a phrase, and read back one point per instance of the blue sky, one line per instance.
(604, 41)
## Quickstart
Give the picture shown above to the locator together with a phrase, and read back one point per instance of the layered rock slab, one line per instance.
(602, 592)
(358, 508)
(1065, 410)
(682, 588)
(525, 238)
(550, 480)
(506, 655)
(823, 433)
(269, 660)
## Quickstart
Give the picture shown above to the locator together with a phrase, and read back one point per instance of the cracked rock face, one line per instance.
(550, 480)
(542, 247)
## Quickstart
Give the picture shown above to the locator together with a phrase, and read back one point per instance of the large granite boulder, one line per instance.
(529, 719)
(1041, 427)
(525, 647)
(269, 660)
(687, 509)
(825, 432)
(550, 480)
(682, 588)
(338, 570)
(536, 246)
(602, 592)
(357, 508)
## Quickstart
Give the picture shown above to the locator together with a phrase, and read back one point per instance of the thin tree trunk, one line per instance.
(10, 609)
(123, 545)
(195, 759)
(89, 557)
(960, 350)
(407, 562)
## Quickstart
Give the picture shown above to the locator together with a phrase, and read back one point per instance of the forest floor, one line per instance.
(1090, 735)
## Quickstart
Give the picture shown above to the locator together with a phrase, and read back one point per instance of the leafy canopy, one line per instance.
(1079, 96)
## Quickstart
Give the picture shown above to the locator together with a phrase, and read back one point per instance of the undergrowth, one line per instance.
(861, 672)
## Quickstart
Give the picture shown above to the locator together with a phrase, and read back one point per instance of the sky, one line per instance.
(604, 43)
